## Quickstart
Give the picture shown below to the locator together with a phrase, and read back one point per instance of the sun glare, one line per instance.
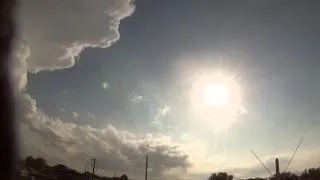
(216, 99)
(216, 95)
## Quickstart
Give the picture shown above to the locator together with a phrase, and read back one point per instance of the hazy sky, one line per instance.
(90, 86)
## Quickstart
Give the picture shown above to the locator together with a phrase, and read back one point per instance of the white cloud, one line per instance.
(105, 85)
(243, 110)
(53, 36)
(187, 157)
(75, 115)
(58, 32)
(115, 150)
(91, 115)
(156, 123)
(162, 111)
(19, 68)
(136, 98)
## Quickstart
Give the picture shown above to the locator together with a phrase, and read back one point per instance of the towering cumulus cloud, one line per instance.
(51, 35)
(57, 31)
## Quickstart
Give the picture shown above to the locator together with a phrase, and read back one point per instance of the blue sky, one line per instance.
(269, 47)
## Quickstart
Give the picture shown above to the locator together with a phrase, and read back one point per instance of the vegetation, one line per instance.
(308, 174)
(220, 176)
(39, 169)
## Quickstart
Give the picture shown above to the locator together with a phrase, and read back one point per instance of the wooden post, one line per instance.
(146, 175)
(277, 167)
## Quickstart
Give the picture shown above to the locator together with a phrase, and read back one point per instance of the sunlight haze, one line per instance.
(195, 85)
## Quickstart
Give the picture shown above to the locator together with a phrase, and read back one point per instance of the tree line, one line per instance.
(307, 174)
(37, 168)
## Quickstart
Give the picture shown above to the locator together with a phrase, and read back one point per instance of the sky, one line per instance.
(116, 80)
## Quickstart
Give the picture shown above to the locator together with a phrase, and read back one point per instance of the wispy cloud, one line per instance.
(105, 85)
(75, 114)
(162, 112)
(91, 115)
(136, 98)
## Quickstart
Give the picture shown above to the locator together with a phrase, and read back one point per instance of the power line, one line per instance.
(293, 155)
(261, 162)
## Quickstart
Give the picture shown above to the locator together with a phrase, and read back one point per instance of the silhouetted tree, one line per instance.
(40, 163)
(285, 176)
(310, 174)
(221, 176)
(29, 161)
(124, 177)
(62, 172)
(60, 168)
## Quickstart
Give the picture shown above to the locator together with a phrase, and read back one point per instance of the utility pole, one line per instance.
(277, 167)
(146, 176)
(93, 167)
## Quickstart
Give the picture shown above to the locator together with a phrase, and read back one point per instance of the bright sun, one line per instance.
(216, 99)
(216, 95)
